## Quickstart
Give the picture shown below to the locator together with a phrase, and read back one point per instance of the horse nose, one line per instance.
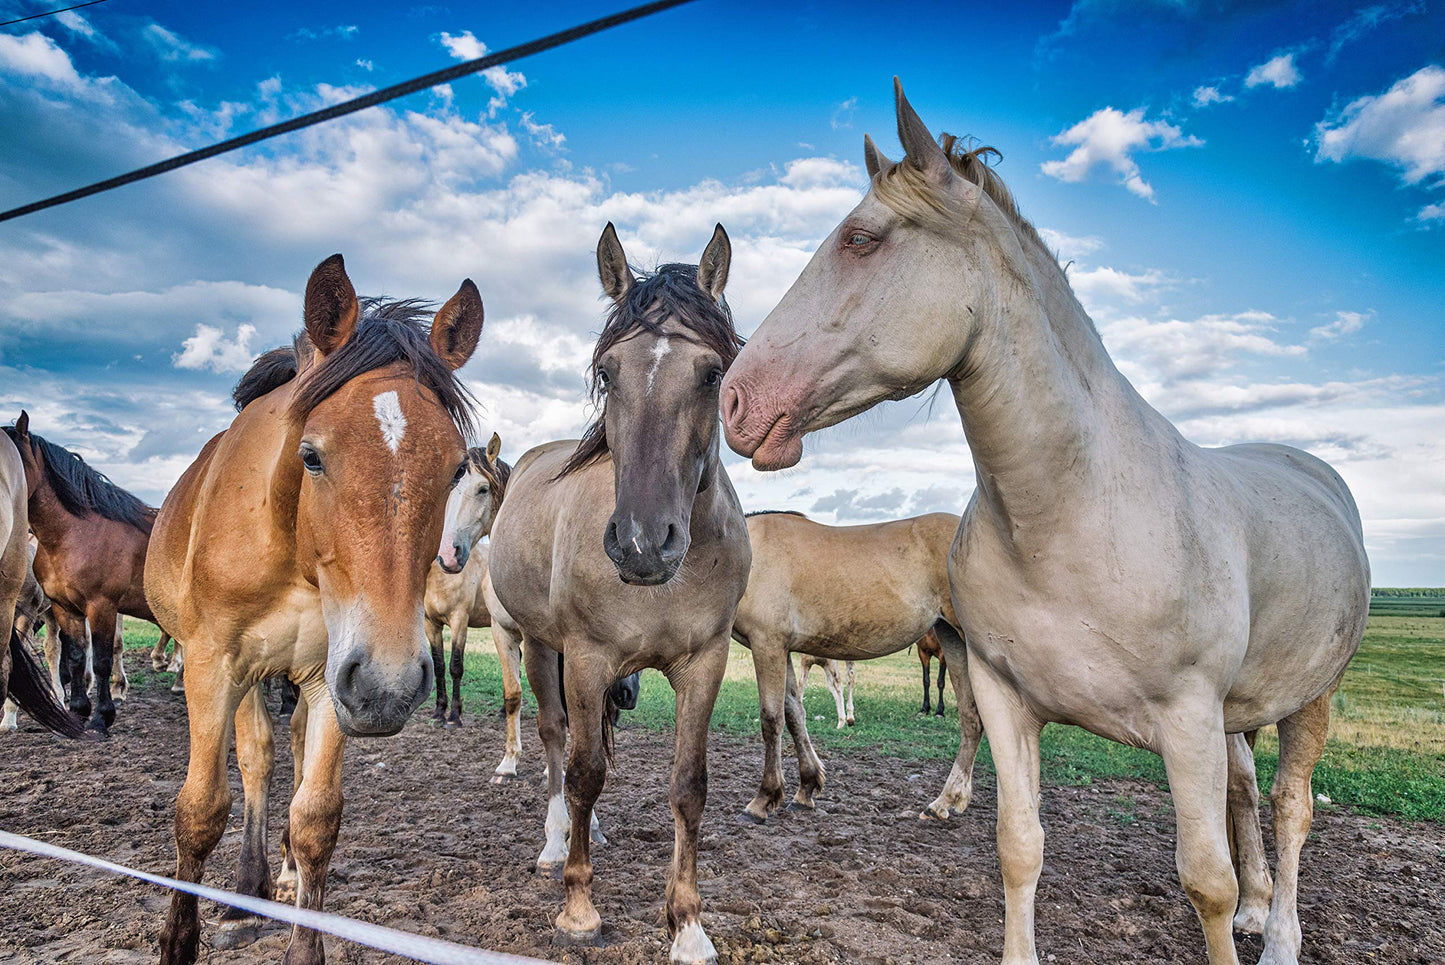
(375, 699)
(639, 555)
(733, 404)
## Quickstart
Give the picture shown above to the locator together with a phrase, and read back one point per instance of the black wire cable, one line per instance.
(37, 16)
(352, 106)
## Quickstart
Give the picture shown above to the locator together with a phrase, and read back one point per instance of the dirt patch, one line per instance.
(428, 845)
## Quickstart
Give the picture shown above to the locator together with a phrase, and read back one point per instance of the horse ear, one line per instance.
(494, 448)
(22, 425)
(712, 270)
(921, 149)
(331, 307)
(612, 265)
(874, 159)
(458, 326)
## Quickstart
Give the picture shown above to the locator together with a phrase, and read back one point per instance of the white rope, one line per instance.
(418, 947)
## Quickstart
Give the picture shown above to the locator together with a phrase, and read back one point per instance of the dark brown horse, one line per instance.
(929, 649)
(92, 538)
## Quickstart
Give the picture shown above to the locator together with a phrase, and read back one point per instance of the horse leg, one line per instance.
(1196, 761)
(119, 683)
(832, 678)
(438, 661)
(942, 675)
(807, 669)
(811, 775)
(851, 680)
(1301, 742)
(103, 620)
(10, 724)
(54, 648)
(1251, 867)
(288, 882)
(772, 665)
(579, 922)
(696, 683)
(545, 680)
(256, 754)
(178, 667)
(315, 818)
(1013, 736)
(509, 654)
(74, 642)
(958, 789)
(459, 656)
(159, 660)
(927, 662)
(202, 808)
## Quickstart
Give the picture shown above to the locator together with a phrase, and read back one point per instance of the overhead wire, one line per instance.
(51, 13)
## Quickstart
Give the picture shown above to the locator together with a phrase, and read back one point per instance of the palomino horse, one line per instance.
(929, 649)
(1116, 576)
(644, 498)
(845, 593)
(839, 676)
(21, 674)
(455, 596)
(298, 544)
(90, 562)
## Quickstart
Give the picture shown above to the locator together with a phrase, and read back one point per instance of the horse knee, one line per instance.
(1209, 882)
(511, 704)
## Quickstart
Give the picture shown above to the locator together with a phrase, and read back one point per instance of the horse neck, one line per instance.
(1049, 418)
(50, 521)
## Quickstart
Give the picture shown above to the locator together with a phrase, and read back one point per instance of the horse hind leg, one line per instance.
(833, 679)
(773, 667)
(178, 667)
(119, 682)
(104, 623)
(159, 660)
(544, 677)
(288, 881)
(256, 755)
(852, 678)
(958, 789)
(509, 654)
(1301, 743)
(1251, 867)
(458, 667)
(438, 657)
(811, 773)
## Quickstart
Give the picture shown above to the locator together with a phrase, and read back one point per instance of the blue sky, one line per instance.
(1252, 196)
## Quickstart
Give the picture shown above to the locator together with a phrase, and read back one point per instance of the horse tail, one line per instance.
(30, 687)
(610, 713)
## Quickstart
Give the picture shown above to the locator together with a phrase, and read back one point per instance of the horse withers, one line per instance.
(1108, 572)
(628, 550)
(298, 544)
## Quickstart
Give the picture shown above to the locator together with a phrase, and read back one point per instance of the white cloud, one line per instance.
(1403, 127)
(1365, 20)
(209, 349)
(505, 83)
(463, 46)
(36, 56)
(171, 47)
(1345, 323)
(340, 32)
(1431, 213)
(1208, 346)
(843, 114)
(1107, 138)
(366, 65)
(1279, 72)
(1204, 96)
(1098, 288)
(1070, 247)
(544, 134)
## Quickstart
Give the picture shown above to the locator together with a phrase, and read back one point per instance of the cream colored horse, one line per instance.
(1115, 575)
(845, 593)
(839, 676)
(625, 551)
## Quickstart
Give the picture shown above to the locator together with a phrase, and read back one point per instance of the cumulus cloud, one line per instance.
(463, 46)
(1070, 247)
(1204, 96)
(544, 134)
(1430, 214)
(1102, 287)
(1107, 139)
(210, 349)
(1280, 72)
(504, 83)
(1403, 127)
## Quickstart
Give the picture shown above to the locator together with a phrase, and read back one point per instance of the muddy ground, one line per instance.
(428, 845)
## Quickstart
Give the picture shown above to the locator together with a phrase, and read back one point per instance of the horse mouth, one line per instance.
(780, 447)
(452, 568)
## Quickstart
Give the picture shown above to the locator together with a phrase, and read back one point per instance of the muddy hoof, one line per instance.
(511, 777)
(800, 806)
(933, 814)
(549, 870)
(178, 690)
(748, 817)
(565, 938)
(454, 723)
(237, 934)
(851, 722)
(97, 730)
(285, 892)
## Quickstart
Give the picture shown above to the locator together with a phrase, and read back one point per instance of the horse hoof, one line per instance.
(237, 934)
(1250, 921)
(549, 869)
(800, 806)
(851, 722)
(691, 946)
(508, 777)
(454, 723)
(98, 729)
(178, 690)
(285, 892)
(931, 813)
(566, 938)
(747, 817)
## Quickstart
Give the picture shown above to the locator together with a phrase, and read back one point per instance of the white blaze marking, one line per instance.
(659, 352)
(388, 413)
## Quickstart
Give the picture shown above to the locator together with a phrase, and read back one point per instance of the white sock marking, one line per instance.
(388, 413)
(659, 352)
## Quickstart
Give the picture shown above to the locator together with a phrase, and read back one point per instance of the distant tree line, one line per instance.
(1409, 592)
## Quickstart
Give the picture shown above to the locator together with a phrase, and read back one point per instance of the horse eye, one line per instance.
(859, 240)
(714, 378)
(603, 380)
(459, 474)
(482, 489)
(311, 459)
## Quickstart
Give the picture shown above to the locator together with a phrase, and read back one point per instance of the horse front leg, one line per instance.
(256, 755)
(852, 678)
(958, 789)
(438, 658)
(202, 807)
(159, 660)
(74, 644)
(1250, 864)
(587, 683)
(103, 620)
(509, 655)
(771, 665)
(119, 682)
(811, 774)
(315, 818)
(458, 665)
(927, 662)
(545, 680)
(696, 682)
(835, 687)
(288, 881)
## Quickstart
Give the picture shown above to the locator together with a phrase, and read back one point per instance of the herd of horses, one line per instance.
(1106, 572)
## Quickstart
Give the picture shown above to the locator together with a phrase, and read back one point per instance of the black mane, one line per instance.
(387, 332)
(669, 292)
(82, 490)
(775, 512)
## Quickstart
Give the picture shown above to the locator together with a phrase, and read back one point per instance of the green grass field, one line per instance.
(1386, 753)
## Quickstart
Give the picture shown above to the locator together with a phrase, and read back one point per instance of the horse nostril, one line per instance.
(673, 545)
(732, 404)
(610, 544)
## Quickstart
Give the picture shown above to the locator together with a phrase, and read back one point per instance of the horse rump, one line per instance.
(29, 687)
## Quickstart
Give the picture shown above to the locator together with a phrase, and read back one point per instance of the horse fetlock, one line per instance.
(1250, 918)
(237, 933)
(691, 946)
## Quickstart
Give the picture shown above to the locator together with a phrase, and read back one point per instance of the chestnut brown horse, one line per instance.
(628, 550)
(930, 649)
(297, 544)
(92, 537)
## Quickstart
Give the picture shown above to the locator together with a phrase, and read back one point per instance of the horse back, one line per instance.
(170, 541)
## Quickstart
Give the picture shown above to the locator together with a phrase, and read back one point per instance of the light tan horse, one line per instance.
(1115, 575)
(298, 544)
(845, 593)
(839, 676)
(628, 551)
